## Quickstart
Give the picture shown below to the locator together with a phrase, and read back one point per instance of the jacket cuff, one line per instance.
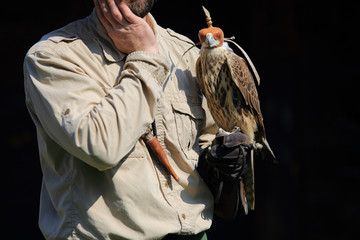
(155, 64)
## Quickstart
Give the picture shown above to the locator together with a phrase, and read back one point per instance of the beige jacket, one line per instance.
(90, 104)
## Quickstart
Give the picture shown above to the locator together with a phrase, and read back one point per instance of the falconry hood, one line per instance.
(211, 37)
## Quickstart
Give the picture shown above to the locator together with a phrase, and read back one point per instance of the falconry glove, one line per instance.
(222, 166)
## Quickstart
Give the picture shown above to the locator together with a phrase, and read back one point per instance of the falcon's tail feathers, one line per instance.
(243, 198)
(266, 151)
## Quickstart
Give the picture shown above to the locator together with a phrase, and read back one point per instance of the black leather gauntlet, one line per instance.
(221, 166)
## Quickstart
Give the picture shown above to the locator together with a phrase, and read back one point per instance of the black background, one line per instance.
(307, 56)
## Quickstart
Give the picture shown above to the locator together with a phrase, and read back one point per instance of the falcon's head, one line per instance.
(212, 37)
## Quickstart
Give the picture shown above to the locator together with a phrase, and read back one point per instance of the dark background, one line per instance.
(307, 56)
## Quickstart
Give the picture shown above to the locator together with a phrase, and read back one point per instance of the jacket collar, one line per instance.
(109, 50)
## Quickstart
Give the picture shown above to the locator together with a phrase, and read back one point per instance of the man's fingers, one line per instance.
(102, 18)
(127, 13)
(106, 13)
(116, 13)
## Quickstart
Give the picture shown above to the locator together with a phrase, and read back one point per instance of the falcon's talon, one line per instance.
(236, 129)
(222, 132)
(257, 146)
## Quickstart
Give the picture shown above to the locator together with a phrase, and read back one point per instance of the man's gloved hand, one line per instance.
(221, 166)
(228, 154)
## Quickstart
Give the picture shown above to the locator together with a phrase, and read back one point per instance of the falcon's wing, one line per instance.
(241, 76)
(243, 79)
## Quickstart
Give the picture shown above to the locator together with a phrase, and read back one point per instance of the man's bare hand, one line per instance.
(129, 32)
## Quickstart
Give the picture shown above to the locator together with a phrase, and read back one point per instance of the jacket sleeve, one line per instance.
(207, 134)
(95, 125)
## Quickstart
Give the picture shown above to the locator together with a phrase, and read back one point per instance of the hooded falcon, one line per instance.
(231, 94)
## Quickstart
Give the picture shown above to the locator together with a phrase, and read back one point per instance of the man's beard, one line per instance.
(141, 7)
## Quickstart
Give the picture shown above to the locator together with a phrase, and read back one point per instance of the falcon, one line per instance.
(232, 98)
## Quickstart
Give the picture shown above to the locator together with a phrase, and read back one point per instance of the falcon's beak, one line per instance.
(211, 41)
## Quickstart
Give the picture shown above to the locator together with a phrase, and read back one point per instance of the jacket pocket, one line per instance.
(188, 120)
